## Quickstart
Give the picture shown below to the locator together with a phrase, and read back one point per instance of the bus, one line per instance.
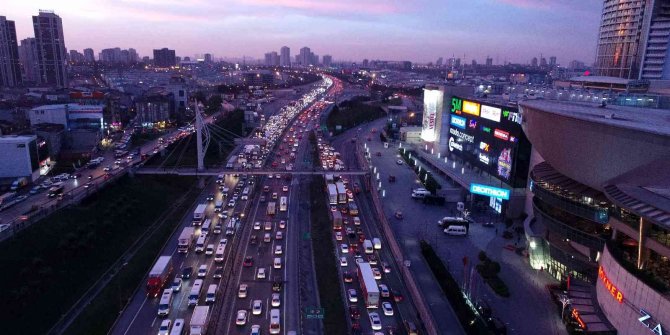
(271, 208)
(283, 203)
(56, 190)
(205, 226)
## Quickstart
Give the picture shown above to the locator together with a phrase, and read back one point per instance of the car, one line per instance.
(176, 284)
(274, 195)
(275, 300)
(223, 241)
(255, 330)
(338, 236)
(20, 198)
(107, 168)
(346, 276)
(343, 261)
(210, 197)
(488, 224)
(276, 286)
(37, 189)
(274, 164)
(285, 188)
(202, 271)
(267, 225)
(278, 176)
(209, 250)
(257, 307)
(279, 236)
(231, 203)
(386, 267)
(248, 261)
(399, 162)
(260, 274)
(267, 238)
(242, 291)
(266, 188)
(352, 295)
(262, 198)
(372, 259)
(384, 291)
(257, 225)
(186, 272)
(278, 250)
(397, 296)
(165, 327)
(354, 312)
(218, 272)
(344, 248)
(375, 321)
(377, 273)
(282, 224)
(350, 232)
(253, 240)
(241, 318)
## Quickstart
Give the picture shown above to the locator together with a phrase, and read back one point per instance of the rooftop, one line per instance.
(16, 138)
(652, 121)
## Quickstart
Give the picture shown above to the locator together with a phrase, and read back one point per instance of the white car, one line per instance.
(376, 273)
(241, 318)
(375, 321)
(388, 309)
(165, 327)
(275, 300)
(343, 261)
(242, 291)
(279, 236)
(345, 248)
(278, 250)
(202, 271)
(261, 273)
(351, 294)
(338, 236)
(285, 188)
(257, 225)
(255, 330)
(257, 307)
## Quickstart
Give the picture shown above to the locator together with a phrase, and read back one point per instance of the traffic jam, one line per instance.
(372, 303)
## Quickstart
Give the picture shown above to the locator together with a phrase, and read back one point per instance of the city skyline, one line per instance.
(420, 32)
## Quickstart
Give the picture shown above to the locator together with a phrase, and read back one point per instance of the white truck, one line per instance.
(332, 194)
(341, 192)
(199, 214)
(368, 285)
(199, 320)
(185, 239)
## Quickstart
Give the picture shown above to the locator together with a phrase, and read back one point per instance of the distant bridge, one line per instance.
(216, 172)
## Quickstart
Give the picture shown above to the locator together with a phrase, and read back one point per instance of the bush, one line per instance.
(489, 271)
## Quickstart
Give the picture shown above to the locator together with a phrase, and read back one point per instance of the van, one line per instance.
(178, 327)
(200, 243)
(204, 230)
(211, 293)
(165, 302)
(218, 257)
(275, 327)
(277, 263)
(218, 205)
(377, 243)
(456, 230)
(367, 245)
(194, 295)
(420, 193)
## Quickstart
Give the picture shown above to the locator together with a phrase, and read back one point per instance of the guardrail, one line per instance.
(398, 257)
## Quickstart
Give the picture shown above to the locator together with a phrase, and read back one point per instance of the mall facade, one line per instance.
(599, 211)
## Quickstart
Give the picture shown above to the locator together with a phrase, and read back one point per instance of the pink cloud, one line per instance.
(334, 7)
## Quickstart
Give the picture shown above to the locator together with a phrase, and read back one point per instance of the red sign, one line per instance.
(614, 291)
(503, 135)
(578, 318)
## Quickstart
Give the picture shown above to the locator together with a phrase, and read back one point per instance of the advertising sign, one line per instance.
(489, 191)
(458, 121)
(471, 108)
(432, 107)
(491, 113)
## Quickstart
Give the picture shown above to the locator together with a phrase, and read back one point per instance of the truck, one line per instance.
(7, 200)
(332, 194)
(199, 214)
(159, 275)
(337, 220)
(185, 239)
(199, 320)
(341, 192)
(272, 208)
(368, 285)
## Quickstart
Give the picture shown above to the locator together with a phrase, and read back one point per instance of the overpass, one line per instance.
(186, 171)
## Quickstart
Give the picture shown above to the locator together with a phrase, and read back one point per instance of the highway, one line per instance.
(140, 315)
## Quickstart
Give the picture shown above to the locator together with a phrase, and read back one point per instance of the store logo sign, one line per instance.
(454, 145)
(491, 113)
(650, 323)
(501, 134)
(461, 135)
(489, 191)
(484, 158)
(472, 124)
(458, 121)
(613, 290)
(484, 146)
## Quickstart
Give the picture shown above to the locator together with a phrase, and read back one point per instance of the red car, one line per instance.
(354, 312)
(248, 261)
(397, 296)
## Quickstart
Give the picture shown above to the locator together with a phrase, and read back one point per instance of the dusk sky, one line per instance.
(417, 30)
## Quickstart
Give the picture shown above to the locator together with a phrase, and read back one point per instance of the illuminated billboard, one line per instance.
(490, 138)
(433, 103)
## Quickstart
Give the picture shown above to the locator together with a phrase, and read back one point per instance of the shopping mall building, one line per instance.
(599, 210)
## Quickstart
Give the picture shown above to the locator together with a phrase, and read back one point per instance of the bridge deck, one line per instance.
(215, 172)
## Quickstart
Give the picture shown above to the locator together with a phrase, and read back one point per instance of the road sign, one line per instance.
(314, 312)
